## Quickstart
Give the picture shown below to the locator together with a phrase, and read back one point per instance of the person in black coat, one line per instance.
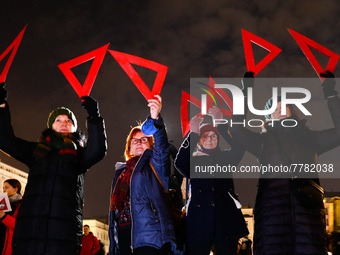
(50, 217)
(284, 222)
(214, 216)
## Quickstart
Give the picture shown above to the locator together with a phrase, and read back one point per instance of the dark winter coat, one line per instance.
(283, 224)
(151, 221)
(212, 214)
(50, 217)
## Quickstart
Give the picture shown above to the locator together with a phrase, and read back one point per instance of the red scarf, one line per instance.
(122, 187)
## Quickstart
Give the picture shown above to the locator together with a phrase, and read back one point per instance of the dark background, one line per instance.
(198, 38)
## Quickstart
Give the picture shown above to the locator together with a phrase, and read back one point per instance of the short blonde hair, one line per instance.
(133, 131)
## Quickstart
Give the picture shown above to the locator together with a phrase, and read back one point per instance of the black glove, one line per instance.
(247, 82)
(328, 85)
(3, 93)
(91, 106)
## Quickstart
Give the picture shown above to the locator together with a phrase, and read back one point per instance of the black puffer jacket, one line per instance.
(50, 216)
(283, 224)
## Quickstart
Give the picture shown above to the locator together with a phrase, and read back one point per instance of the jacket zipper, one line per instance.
(154, 210)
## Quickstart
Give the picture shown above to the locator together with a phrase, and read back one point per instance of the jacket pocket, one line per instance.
(154, 210)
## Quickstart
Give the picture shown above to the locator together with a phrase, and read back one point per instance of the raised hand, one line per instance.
(155, 106)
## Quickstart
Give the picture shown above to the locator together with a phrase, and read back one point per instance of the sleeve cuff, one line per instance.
(151, 126)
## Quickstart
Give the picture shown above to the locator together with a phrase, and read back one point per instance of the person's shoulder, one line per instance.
(120, 166)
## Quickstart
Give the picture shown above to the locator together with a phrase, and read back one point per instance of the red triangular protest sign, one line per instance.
(125, 61)
(248, 38)
(212, 91)
(97, 56)
(3, 205)
(186, 97)
(224, 95)
(304, 42)
(14, 45)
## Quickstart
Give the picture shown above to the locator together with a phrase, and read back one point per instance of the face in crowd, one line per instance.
(139, 143)
(7, 188)
(86, 230)
(208, 140)
(277, 115)
(63, 124)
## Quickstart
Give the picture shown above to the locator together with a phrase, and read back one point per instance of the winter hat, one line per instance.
(269, 105)
(208, 127)
(61, 111)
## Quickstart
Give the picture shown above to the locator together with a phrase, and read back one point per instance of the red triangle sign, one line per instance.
(186, 97)
(304, 42)
(3, 205)
(125, 61)
(98, 56)
(248, 38)
(224, 95)
(14, 45)
(219, 93)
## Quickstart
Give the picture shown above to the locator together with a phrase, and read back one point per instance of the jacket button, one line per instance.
(212, 204)
(213, 188)
(198, 205)
(199, 191)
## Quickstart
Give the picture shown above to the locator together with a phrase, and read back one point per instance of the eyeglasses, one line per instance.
(141, 140)
(212, 137)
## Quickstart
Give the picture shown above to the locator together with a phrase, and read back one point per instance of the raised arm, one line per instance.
(182, 161)
(20, 149)
(249, 140)
(154, 125)
(329, 139)
(96, 146)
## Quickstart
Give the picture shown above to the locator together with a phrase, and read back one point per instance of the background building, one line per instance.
(9, 172)
(249, 218)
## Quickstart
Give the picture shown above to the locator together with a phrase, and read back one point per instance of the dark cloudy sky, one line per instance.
(193, 38)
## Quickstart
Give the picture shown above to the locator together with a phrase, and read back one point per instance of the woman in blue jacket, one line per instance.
(137, 196)
(214, 217)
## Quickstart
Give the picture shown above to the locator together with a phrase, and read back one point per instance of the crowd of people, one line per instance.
(48, 218)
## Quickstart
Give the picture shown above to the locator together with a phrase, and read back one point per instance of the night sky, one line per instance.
(198, 38)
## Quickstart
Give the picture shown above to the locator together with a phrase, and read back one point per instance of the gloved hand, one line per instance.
(247, 82)
(91, 106)
(328, 85)
(3, 93)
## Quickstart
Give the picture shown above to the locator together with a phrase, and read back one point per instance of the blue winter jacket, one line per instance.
(151, 221)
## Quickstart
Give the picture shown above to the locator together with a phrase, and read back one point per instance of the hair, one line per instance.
(15, 184)
(133, 131)
(86, 226)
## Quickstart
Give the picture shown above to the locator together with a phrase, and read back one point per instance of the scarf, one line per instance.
(200, 150)
(14, 198)
(121, 190)
(64, 143)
